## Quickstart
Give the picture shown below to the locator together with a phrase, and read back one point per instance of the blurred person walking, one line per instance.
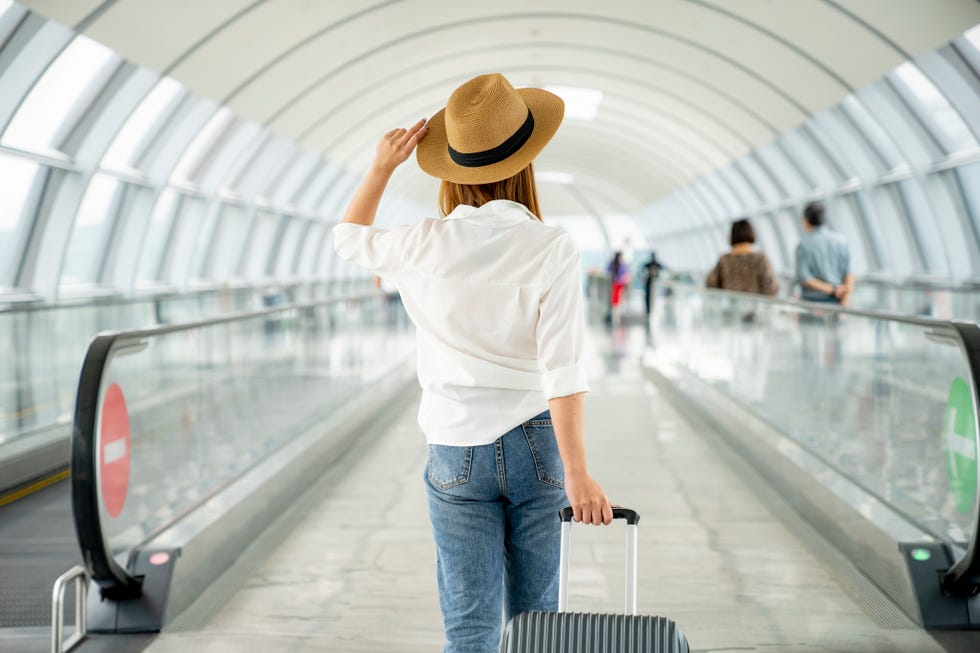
(743, 268)
(619, 278)
(496, 298)
(823, 260)
(653, 268)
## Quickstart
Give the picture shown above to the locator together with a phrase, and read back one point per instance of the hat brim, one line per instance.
(432, 152)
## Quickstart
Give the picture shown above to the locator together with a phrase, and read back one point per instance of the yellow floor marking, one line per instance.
(33, 487)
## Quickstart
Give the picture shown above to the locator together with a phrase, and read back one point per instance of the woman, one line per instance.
(619, 278)
(743, 268)
(496, 298)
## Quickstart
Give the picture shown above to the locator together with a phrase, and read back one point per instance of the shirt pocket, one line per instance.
(448, 466)
(540, 436)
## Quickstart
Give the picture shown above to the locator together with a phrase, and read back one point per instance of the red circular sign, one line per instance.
(114, 451)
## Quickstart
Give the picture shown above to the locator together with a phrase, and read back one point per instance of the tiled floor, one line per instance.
(358, 573)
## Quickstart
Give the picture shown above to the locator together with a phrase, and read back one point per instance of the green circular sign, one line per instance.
(959, 433)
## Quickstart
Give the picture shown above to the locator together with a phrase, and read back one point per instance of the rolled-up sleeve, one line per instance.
(561, 327)
(378, 250)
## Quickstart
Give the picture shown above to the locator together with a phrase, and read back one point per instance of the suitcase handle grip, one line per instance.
(631, 516)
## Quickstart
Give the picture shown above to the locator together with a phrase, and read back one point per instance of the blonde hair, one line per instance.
(519, 188)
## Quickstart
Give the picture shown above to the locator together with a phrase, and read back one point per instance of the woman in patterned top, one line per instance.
(743, 268)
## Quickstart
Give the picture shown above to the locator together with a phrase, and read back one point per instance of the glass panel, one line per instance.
(968, 177)
(918, 213)
(41, 349)
(17, 176)
(188, 224)
(205, 405)
(953, 223)
(286, 256)
(748, 197)
(236, 146)
(882, 144)
(895, 232)
(141, 124)
(311, 249)
(869, 397)
(839, 137)
(779, 165)
(810, 159)
(90, 233)
(837, 163)
(193, 156)
(203, 244)
(229, 242)
(714, 187)
(916, 147)
(864, 211)
(157, 234)
(308, 198)
(36, 122)
(933, 108)
(763, 183)
(260, 243)
(686, 207)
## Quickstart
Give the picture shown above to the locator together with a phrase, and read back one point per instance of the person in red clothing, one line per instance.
(619, 278)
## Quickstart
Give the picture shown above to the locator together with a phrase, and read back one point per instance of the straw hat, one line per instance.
(489, 131)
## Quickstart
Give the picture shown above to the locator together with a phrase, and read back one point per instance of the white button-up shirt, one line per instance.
(496, 298)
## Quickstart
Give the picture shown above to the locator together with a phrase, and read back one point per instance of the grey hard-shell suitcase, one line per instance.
(561, 632)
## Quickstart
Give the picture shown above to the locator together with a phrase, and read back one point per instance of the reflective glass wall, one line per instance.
(120, 181)
(896, 163)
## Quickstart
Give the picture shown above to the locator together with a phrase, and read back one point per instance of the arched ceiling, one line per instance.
(687, 85)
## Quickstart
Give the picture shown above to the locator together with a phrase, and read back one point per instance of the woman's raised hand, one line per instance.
(398, 144)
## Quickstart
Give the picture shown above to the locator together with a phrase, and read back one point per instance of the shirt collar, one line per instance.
(497, 213)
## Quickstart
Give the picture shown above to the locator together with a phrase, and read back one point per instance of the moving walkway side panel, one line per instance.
(48, 340)
(189, 440)
(865, 422)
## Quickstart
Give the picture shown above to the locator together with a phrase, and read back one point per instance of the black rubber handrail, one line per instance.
(963, 578)
(114, 581)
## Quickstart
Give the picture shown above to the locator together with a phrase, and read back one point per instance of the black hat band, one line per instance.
(496, 154)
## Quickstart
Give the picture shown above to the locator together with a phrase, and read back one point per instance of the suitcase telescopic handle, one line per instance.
(632, 519)
(631, 516)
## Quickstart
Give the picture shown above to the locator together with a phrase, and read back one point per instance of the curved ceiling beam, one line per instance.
(271, 63)
(457, 25)
(422, 107)
(779, 39)
(375, 84)
(201, 42)
(696, 133)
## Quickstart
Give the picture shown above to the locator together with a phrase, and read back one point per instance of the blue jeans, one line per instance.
(494, 511)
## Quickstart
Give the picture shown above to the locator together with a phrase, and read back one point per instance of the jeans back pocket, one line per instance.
(448, 466)
(540, 436)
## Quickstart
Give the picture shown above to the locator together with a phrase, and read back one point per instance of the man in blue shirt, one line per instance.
(823, 260)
